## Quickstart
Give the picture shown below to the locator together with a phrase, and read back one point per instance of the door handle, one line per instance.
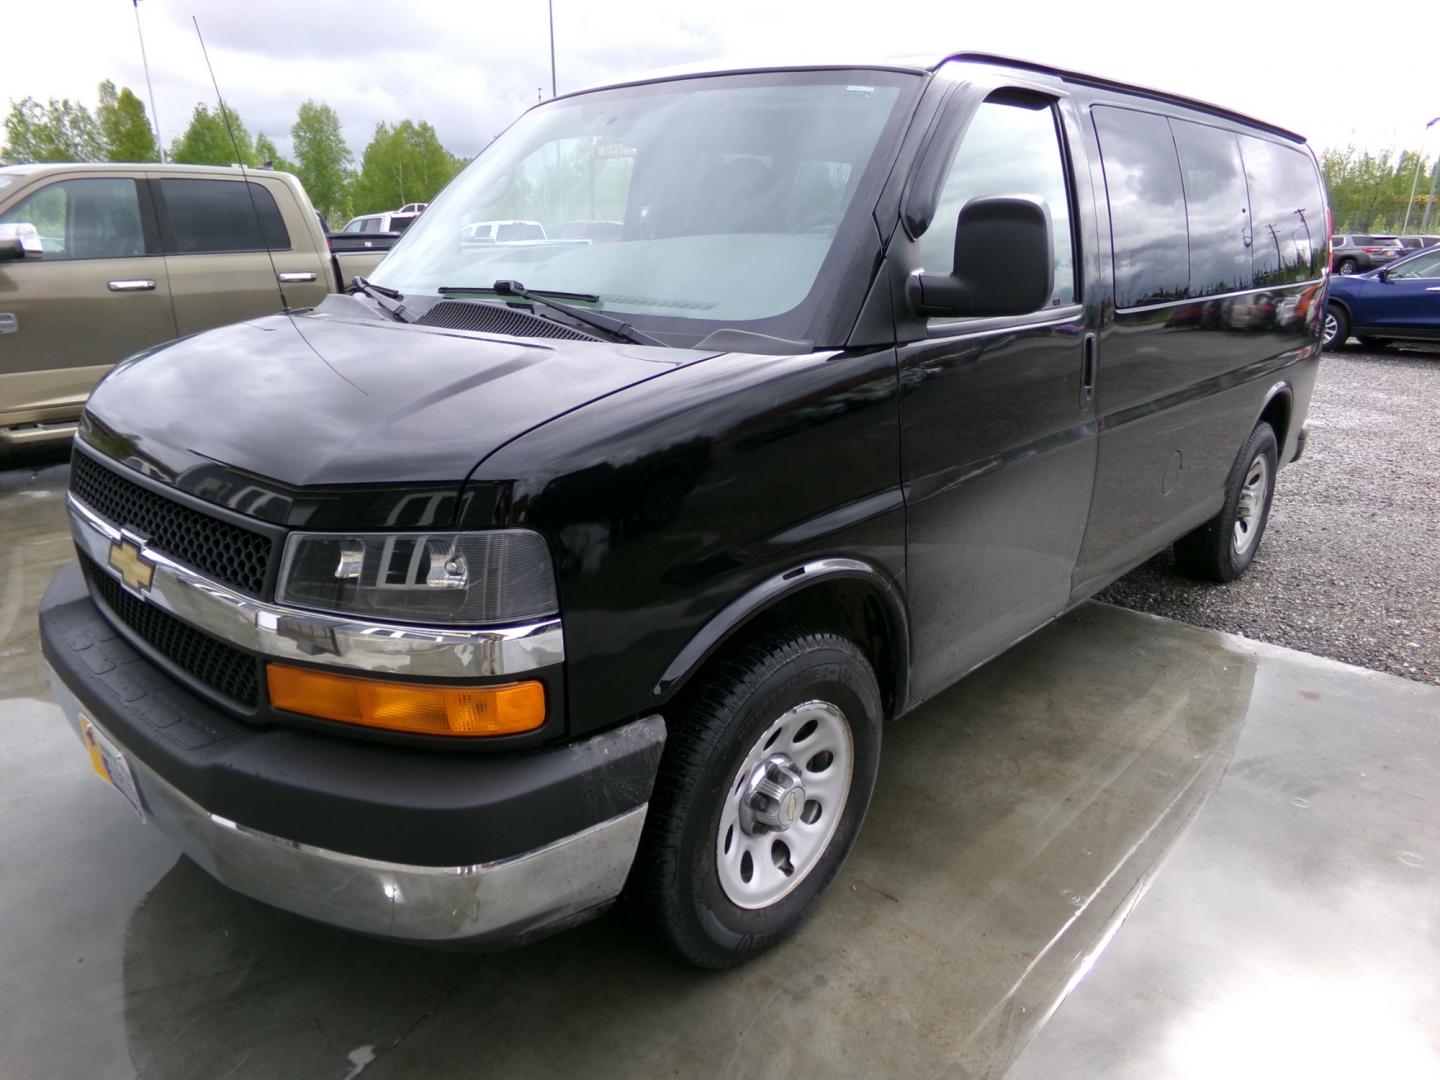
(1087, 373)
(132, 285)
(296, 275)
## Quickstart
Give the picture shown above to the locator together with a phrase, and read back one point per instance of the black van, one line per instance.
(541, 571)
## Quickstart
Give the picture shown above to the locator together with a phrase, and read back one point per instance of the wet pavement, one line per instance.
(1152, 849)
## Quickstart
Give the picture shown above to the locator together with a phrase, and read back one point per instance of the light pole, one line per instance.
(154, 116)
(550, 7)
(1416, 182)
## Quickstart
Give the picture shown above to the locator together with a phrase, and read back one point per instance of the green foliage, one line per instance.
(207, 142)
(402, 164)
(323, 160)
(124, 127)
(1369, 192)
(60, 130)
(267, 152)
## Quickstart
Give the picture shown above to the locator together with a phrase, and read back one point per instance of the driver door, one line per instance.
(96, 293)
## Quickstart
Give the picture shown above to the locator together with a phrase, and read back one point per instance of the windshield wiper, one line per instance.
(379, 294)
(616, 328)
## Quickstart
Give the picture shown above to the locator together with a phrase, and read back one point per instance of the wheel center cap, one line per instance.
(774, 797)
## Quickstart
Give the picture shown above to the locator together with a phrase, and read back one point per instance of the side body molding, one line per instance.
(769, 592)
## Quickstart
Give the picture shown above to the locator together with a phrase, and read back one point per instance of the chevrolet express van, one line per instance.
(535, 575)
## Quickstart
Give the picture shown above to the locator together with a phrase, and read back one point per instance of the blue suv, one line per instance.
(1400, 301)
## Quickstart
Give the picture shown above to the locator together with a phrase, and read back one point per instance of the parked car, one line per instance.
(412, 208)
(391, 221)
(503, 232)
(1398, 302)
(101, 261)
(1352, 253)
(615, 581)
(1415, 243)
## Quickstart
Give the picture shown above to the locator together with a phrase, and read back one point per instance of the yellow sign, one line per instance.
(134, 570)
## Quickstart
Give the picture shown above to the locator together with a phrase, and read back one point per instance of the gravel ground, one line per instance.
(1349, 566)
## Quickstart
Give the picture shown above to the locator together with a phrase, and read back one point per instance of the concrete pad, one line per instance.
(1019, 818)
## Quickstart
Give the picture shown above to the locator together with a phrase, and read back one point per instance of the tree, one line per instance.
(207, 142)
(402, 164)
(267, 152)
(1369, 193)
(323, 161)
(56, 131)
(124, 127)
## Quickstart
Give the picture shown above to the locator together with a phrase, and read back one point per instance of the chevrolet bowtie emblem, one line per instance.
(125, 557)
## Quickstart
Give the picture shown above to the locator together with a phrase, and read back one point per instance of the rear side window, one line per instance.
(1010, 148)
(217, 215)
(519, 230)
(1147, 206)
(1216, 209)
(1288, 211)
(83, 219)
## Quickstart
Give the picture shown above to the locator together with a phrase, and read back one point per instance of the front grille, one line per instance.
(227, 553)
(227, 670)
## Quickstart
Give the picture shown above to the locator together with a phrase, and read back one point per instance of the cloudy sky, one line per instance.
(469, 67)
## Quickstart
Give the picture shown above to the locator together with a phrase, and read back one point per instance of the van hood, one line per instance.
(314, 400)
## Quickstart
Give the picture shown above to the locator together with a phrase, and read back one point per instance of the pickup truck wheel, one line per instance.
(1224, 547)
(766, 778)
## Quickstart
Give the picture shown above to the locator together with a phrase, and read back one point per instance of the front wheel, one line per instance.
(766, 778)
(1336, 327)
(1224, 547)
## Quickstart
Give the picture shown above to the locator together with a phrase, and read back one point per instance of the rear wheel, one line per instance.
(766, 778)
(1347, 266)
(1336, 328)
(1224, 547)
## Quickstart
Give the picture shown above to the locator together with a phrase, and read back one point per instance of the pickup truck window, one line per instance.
(1010, 148)
(717, 199)
(217, 215)
(84, 219)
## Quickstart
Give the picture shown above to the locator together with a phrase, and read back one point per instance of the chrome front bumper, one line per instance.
(501, 902)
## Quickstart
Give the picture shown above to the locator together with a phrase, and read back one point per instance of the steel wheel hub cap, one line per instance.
(1250, 511)
(783, 804)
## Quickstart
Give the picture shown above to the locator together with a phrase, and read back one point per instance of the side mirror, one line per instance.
(1003, 262)
(19, 239)
(1383, 273)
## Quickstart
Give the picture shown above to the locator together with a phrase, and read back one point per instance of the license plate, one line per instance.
(110, 765)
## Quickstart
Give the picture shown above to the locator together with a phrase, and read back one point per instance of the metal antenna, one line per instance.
(235, 145)
(154, 115)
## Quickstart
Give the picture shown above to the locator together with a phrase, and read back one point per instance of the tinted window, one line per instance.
(1147, 206)
(1216, 208)
(83, 219)
(1421, 266)
(1009, 149)
(217, 215)
(1287, 210)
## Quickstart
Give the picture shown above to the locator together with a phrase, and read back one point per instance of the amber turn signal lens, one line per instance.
(505, 709)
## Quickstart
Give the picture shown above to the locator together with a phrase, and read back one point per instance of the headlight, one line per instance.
(466, 578)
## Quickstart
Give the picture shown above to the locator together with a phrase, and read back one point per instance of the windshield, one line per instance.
(684, 205)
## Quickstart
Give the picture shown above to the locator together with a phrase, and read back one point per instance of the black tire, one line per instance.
(676, 879)
(1210, 553)
(1341, 333)
(1347, 267)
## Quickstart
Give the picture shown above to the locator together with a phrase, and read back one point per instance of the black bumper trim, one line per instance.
(422, 807)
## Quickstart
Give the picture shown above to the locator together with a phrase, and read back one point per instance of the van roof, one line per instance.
(33, 167)
(927, 63)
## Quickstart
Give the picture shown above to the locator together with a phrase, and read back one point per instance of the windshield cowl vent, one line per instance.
(490, 318)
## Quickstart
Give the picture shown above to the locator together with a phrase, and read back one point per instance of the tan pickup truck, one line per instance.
(100, 261)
